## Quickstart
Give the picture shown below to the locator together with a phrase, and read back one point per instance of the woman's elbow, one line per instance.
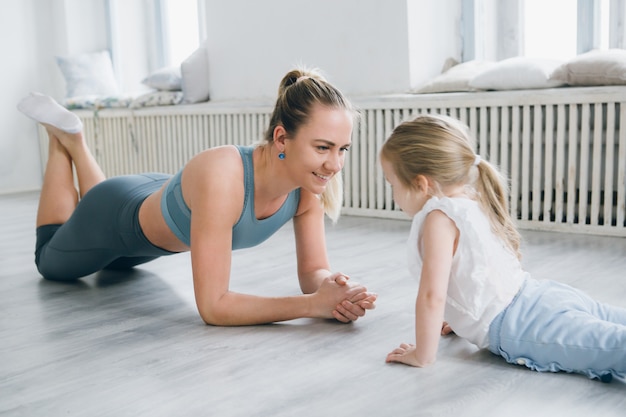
(213, 316)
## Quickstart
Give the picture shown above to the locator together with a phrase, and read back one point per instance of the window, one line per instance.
(151, 34)
(542, 38)
(561, 29)
(179, 30)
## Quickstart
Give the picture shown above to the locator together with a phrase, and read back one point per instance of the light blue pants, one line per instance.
(553, 327)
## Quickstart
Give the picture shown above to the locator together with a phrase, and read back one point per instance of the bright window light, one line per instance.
(181, 31)
(604, 24)
(550, 28)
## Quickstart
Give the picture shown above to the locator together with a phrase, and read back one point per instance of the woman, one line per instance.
(239, 196)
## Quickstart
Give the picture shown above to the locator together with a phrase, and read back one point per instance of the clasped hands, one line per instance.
(353, 298)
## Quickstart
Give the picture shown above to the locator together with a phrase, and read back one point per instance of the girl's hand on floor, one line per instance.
(405, 354)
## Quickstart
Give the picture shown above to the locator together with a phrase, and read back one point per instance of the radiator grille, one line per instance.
(565, 153)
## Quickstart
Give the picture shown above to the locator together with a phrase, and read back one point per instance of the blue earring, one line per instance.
(281, 155)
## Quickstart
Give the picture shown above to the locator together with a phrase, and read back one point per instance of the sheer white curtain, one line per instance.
(180, 31)
(151, 34)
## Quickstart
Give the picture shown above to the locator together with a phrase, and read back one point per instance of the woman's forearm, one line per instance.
(235, 309)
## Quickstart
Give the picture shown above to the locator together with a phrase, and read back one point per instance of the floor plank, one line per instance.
(132, 344)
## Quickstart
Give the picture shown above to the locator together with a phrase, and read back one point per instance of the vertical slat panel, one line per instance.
(164, 127)
(548, 185)
(494, 136)
(347, 174)
(483, 131)
(398, 117)
(572, 170)
(462, 115)
(596, 163)
(380, 180)
(225, 129)
(537, 152)
(106, 151)
(362, 158)
(559, 169)
(505, 138)
(144, 142)
(177, 131)
(473, 123)
(155, 143)
(608, 212)
(172, 126)
(132, 144)
(525, 162)
(515, 160)
(196, 129)
(367, 190)
(621, 169)
(213, 131)
(127, 151)
(372, 172)
(151, 143)
(583, 163)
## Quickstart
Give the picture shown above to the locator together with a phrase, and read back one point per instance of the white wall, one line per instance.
(365, 47)
(22, 39)
(362, 46)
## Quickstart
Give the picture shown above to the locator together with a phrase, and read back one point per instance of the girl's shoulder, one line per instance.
(464, 212)
(455, 208)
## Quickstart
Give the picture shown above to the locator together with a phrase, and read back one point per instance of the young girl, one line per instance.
(223, 199)
(464, 248)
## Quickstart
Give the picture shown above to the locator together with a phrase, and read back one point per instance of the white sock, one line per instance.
(44, 109)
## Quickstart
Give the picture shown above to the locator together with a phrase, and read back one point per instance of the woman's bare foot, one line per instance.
(68, 140)
(46, 111)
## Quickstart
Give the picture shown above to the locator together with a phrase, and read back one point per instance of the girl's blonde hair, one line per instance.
(441, 148)
(299, 90)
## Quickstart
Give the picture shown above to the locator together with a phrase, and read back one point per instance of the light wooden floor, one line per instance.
(132, 344)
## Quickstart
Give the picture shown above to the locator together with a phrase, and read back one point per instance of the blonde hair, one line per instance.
(441, 148)
(299, 90)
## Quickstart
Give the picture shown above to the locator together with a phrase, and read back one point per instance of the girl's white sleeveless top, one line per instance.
(485, 275)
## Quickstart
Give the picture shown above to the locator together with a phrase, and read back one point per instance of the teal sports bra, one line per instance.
(248, 231)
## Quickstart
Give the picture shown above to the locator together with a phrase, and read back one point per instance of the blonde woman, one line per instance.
(464, 249)
(223, 199)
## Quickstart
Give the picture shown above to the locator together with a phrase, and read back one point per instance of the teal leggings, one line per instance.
(103, 232)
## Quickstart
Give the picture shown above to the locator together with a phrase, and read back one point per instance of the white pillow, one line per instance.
(597, 67)
(166, 79)
(88, 74)
(195, 76)
(519, 73)
(157, 98)
(456, 78)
